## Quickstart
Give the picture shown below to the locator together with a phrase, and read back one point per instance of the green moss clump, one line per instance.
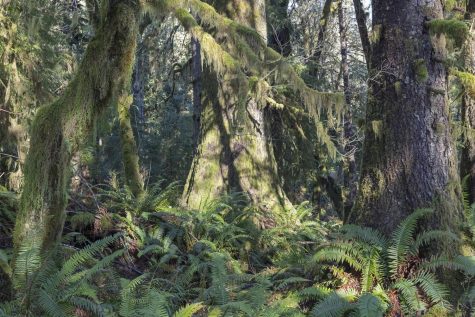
(455, 29)
(467, 80)
(398, 88)
(449, 5)
(375, 36)
(420, 68)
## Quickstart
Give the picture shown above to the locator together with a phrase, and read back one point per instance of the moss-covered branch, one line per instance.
(231, 47)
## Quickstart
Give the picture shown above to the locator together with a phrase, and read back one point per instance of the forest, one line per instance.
(247, 158)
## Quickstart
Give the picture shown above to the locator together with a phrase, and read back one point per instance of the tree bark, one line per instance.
(235, 151)
(409, 159)
(467, 161)
(59, 129)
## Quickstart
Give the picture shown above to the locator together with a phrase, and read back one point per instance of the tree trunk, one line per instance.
(130, 157)
(235, 153)
(60, 128)
(349, 130)
(196, 72)
(409, 159)
(467, 162)
(363, 30)
(321, 36)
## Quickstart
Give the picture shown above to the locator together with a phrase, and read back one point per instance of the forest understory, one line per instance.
(221, 158)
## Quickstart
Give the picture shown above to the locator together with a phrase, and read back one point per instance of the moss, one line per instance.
(467, 80)
(453, 28)
(449, 5)
(420, 69)
(377, 127)
(59, 129)
(372, 184)
(398, 88)
(375, 35)
(130, 157)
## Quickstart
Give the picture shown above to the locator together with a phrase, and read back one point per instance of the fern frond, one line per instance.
(371, 306)
(435, 291)
(403, 238)
(189, 310)
(332, 306)
(409, 296)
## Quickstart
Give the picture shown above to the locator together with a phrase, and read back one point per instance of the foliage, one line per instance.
(374, 275)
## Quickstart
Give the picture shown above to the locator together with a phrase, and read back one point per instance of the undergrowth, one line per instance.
(148, 257)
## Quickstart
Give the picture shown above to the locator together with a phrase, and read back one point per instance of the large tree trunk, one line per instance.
(409, 159)
(59, 129)
(467, 163)
(235, 151)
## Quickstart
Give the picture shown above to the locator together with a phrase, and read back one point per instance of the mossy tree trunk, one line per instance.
(59, 129)
(130, 157)
(467, 163)
(235, 150)
(409, 158)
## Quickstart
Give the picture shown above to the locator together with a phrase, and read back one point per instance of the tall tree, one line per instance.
(60, 128)
(363, 29)
(409, 159)
(235, 151)
(467, 163)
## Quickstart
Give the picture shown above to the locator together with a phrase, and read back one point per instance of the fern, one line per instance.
(402, 239)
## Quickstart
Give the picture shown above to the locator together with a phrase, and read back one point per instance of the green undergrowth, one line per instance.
(145, 256)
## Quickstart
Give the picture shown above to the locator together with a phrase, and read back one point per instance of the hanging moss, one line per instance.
(455, 29)
(420, 69)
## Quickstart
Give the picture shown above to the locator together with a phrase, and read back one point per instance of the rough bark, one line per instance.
(235, 151)
(363, 30)
(467, 161)
(409, 159)
(59, 129)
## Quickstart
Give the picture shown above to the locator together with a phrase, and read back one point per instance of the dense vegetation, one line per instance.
(237, 158)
